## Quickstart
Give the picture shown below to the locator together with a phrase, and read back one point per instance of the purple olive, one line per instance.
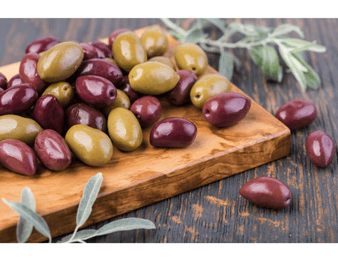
(103, 50)
(52, 150)
(147, 110)
(173, 133)
(17, 99)
(266, 192)
(126, 88)
(3, 81)
(95, 90)
(18, 157)
(320, 148)
(48, 112)
(226, 109)
(1, 90)
(181, 93)
(297, 114)
(15, 80)
(41, 45)
(81, 113)
(89, 51)
(114, 34)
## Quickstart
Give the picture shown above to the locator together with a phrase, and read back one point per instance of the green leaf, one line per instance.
(226, 64)
(194, 36)
(247, 29)
(218, 23)
(271, 68)
(285, 29)
(302, 45)
(80, 235)
(256, 53)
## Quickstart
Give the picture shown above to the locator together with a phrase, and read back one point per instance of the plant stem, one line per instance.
(73, 235)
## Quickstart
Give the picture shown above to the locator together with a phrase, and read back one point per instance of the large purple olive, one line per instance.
(114, 34)
(17, 99)
(226, 109)
(28, 72)
(103, 50)
(101, 67)
(147, 110)
(52, 150)
(3, 81)
(320, 148)
(181, 93)
(81, 113)
(15, 80)
(89, 51)
(173, 133)
(266, 192)
(48, 112)
(297, 114)
(95, 90)
(18, 157)
(126, 88)
(41, 45)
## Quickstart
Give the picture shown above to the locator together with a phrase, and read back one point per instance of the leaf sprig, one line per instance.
(29, 218)
(262, 43)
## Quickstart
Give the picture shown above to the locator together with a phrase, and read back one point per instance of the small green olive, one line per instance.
(63, 91)
(155, 41)
(122, 100)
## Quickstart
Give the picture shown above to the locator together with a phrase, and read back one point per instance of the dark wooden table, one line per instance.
(216, 213)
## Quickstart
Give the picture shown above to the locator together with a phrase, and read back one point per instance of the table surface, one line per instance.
(216, 213)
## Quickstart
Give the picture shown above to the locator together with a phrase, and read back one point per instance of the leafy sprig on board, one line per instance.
(29, 218)
(262, 43)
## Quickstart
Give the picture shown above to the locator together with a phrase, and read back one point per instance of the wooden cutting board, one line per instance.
(147, 175)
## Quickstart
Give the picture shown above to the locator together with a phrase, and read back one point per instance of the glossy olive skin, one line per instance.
(173, 132)
(103, 50)
(124, 129)
(266, 192)
(189, 56)
(147, 109)
(60, 62)
(320, 148)
(17, 99)
(41, 45)
(49, 113)
(297, 114)
(126, 88)
(1, 90)
(63, 91)
(95, 90)
(208, 86)
(165, 60)
(181, 93)
(226, 109)
(18, 157)
(15, 80)
(101, 67)
(122, 100)
(91, 146)
(155, 41)
(153, 78)
(81, 113)
(89, 51)
(52, 150)
(19, 128)
(28, 72)
(3, 81)
(114, 34)
(128, 51)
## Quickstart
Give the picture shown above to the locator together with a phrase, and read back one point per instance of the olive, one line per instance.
(207, 86)
(124, 129)
(153, 78)
(128, 51)
(15, 80)
(155, 41)
(266, 192)
(3, 81)
(1, 90)
(91, 146)
(173, 132)
(42, 44)
(126, 88)
(122, 100)
(165, 60)
(114, 34)
(103, 50)
(63, 91)
(60, 62)
(89, 51)
(147, 110)
(189, 56)
(110, 60)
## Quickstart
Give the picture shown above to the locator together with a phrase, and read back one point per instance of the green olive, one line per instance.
(122, 100)
(19, 128)
(153, 78)
(124, 129)
(63, 91)
(165, 60)
(155, 41)
(92, 146)
(60, 62)
(207, 86)
(191, 57)
(128, 51)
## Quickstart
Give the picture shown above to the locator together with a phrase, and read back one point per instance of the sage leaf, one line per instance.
(226, 64)
(80, 235)
(24, 228)
(271, 68)
(285, 29)
(247, 29)
(194, 36)
(32, 217)
(302, 45)
(88, 198)
(256, 54)
(218, 23)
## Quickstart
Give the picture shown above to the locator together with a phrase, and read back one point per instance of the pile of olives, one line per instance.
(79, 100)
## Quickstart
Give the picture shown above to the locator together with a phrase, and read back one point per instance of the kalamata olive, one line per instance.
(181, 93)
(52, 150)
(266, 192)
(296, 114)
(173, 132)
(15, 80)
(95, 90)
(89, 51)
(226, 109)
(3, 81)
(320, 148)
(41, 45)
(114, 34)
(101, 67)
(18, 157)
(126, 88)
(147, 110)
(102, 50)
(81, 113)
(28, 72)
(17, 99)
(1, 90)
(48, 112)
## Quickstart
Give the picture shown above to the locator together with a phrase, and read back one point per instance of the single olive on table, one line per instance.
(63, 91)
(147, 109)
